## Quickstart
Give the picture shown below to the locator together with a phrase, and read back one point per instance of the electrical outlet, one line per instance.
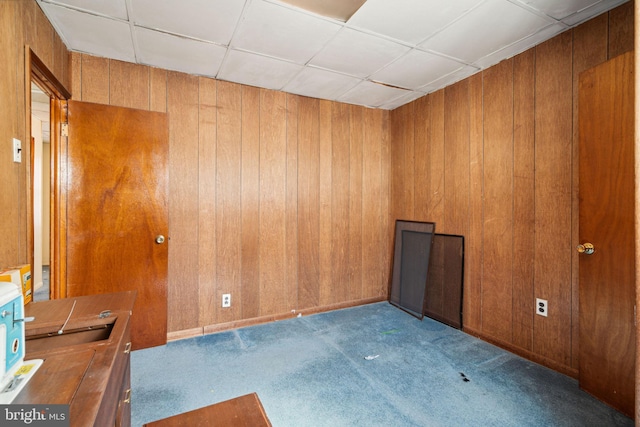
(226, 300)
(542, 307)
(17, 150)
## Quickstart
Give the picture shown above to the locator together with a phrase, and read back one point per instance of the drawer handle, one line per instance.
(127, 396)
(127, 348)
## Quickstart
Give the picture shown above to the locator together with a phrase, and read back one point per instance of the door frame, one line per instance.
(37, 71)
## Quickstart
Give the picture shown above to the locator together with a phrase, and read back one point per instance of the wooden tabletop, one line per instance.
(243, 411)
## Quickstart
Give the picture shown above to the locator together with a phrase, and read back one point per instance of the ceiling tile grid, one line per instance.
(386, 54)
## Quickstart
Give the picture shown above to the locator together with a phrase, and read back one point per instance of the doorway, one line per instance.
(44, 96)
(41, 187)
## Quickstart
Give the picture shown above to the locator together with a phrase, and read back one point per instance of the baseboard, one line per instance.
(551, 364)
(185, 333)
(219, 327)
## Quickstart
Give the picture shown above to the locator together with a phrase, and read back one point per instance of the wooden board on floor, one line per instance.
(245, 410)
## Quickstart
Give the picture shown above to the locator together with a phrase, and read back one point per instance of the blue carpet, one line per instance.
(313, 371)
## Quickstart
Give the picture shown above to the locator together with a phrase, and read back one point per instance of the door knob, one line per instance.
(160, 239)
(586, 248)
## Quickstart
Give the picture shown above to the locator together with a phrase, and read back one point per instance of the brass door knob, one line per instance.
(586, 248)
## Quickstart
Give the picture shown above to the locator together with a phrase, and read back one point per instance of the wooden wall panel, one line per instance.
(38, 33)
(251, 209)
(308, 203)
(158, 90)
(355, 204)
(273, 175)
(94, 80)
(523, 199)
(621, 30)
(13, 247)
(182, 101)
(229, 199)
(422, 146)
(340, 163)
(401, 188)
(436, 162)
(75, 63)
(208, 305)
(61, 59)
(456, 157)
(473, 242)
(129, 85)
(497, 292)
(373, 232)
(325, 211)
(387, 225)
(291, 212)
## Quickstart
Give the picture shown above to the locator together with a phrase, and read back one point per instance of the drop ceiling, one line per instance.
(388, 53)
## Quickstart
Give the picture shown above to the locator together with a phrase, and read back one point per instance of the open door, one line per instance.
(117, 211)
(607, 233)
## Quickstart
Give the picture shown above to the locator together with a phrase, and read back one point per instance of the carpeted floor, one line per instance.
(372, 365)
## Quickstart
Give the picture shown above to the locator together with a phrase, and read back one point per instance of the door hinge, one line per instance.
(64, 129)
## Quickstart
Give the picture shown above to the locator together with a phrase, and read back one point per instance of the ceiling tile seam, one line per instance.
(542, 14)
(134, 39)
(81, 10)
(182, 36)
(539, 12)
(236, 27)
(521, 40)
(552, 21)
(458, 18)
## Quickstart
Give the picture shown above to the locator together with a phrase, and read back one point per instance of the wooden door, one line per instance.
(117, 206)
(607, 212)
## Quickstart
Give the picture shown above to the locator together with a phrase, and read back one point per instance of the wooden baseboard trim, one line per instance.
(186, 333)
(541, 360)
(219, 327)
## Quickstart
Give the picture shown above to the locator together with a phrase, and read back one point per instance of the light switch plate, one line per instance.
(17, 151)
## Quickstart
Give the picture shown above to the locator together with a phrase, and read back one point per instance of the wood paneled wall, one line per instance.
(278, 199)
(21, 23)
(494, 158)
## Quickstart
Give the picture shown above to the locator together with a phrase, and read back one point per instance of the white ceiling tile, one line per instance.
(211, 20)
(416, 69)
(411, 21)
(178, 53)
(281, 32)
(99, 36)
(358, 54)
(318, 83)
(257, 70)
(489, 27)
(113, 8)
(371, 94)
(559, 9)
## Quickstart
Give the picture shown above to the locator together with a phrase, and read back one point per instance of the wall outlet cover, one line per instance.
(542, 307)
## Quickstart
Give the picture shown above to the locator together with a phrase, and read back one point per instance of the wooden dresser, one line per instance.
(87, 366)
